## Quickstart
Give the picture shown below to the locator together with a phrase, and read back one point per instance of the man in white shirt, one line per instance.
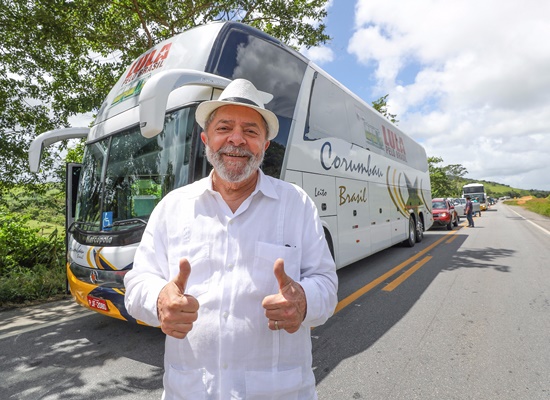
(235, 267)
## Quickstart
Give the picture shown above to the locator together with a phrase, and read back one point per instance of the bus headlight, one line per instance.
(98, 277)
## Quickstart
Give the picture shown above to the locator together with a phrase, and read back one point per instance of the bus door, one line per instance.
(322, 190)
(72, 179)
(380, 208)
(352, 204)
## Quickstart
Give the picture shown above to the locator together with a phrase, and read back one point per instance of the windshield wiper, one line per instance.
(76, 223)
(124, 222)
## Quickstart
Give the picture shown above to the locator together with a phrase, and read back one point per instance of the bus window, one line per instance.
(327, 112)
(269, 67)
(272, 69)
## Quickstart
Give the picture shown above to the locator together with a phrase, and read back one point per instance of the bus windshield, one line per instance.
(473, 189)
(125, 175)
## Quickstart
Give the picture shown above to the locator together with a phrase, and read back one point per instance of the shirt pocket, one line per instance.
(184, 384)
(264, 259)
(283, 385)
(200, 278)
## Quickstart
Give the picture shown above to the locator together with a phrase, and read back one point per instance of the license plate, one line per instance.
(98, 304)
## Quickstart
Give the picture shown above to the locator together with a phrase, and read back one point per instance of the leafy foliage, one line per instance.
(446, 180)
(381, 105)
(31, 265)
(60, 58)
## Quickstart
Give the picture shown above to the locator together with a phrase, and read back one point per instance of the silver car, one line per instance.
(460, 206)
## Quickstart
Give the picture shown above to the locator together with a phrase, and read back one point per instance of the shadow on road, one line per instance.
(359, 325)
(66, 360)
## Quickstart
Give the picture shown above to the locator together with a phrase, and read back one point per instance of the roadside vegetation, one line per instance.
(32, 248)
(537, 205)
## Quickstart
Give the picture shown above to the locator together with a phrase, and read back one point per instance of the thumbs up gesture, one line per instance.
(176, 310)
(286, 309)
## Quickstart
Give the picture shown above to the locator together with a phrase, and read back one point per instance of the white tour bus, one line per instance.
(477, 193)
(368, 179)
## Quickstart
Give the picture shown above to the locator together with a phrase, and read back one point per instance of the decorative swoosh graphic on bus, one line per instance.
(393, 188)
(97, 260)
(414, 199)
(115, 296)
(102, 262)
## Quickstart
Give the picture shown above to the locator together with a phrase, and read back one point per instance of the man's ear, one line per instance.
(204, 138)
(267, 145)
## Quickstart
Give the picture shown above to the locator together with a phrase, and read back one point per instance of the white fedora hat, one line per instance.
(241, 92)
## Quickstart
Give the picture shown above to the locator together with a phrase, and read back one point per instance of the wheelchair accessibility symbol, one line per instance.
(107, 221)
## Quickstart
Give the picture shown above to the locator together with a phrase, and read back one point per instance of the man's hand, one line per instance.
(176, 310)
(286, 309)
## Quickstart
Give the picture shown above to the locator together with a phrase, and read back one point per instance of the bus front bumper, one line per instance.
(105, 296)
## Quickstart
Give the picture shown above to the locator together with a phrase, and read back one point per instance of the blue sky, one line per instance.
(469, 80)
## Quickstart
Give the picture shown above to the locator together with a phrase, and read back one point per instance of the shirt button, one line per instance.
(225, 314)
(230, 266)
(224, 365)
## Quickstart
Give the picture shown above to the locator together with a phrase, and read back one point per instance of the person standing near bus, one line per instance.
(235, 267)
(469, 212)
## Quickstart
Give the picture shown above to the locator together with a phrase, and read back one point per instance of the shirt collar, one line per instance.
(264, 185)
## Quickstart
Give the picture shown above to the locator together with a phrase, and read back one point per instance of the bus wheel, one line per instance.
(419, 231)
(411, 239)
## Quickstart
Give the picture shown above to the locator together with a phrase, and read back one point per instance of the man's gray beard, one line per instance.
(215, 158)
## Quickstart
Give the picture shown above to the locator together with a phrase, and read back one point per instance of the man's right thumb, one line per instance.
(181, 278)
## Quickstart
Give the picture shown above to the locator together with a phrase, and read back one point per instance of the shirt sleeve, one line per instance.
(149, 274)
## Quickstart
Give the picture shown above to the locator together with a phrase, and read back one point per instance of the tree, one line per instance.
(381, 105)
(447, 180)
(59, 58)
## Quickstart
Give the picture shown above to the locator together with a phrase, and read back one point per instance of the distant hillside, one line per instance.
(494, 189)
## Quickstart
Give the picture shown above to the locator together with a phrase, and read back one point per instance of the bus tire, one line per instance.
(419, 231)
(411, 237)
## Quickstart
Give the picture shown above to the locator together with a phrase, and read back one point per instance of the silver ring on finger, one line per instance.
(277, 325)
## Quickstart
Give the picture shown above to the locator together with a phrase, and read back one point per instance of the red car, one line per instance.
(444, 213)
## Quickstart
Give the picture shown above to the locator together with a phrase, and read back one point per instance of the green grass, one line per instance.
(45, 228)
(539, 206)
(32, 251)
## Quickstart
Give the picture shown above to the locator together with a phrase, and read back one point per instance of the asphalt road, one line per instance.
(463, 315)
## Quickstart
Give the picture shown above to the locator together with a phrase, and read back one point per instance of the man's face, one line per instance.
(236, 141)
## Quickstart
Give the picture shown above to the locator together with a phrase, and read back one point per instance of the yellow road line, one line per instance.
(368, 287)
(451, 239)
(398, 281)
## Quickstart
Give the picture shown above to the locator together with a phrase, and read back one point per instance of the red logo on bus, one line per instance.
(395, 146)
(147, 63)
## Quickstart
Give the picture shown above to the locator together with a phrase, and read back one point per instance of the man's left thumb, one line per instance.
(279, 271)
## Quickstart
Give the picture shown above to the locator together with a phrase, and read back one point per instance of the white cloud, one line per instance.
(318, 55)
(479, 91)
(82, 120)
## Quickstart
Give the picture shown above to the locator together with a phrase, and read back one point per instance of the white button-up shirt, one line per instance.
(231, 353)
